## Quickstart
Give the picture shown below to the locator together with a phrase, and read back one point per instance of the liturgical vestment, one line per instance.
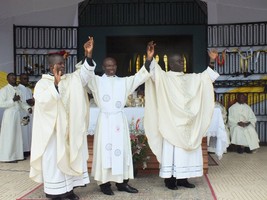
(112, 160)
(11, 144)
(26, 93)
(59, 150)
(245, 136)
(178, 112)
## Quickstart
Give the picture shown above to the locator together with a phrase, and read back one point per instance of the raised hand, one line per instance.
(57, 75)
(213, 54)
(150, 50)
(88, 47)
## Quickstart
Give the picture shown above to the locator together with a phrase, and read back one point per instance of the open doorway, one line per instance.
(130, 51)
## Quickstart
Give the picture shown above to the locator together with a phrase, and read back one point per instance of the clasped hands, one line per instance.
(16, 98)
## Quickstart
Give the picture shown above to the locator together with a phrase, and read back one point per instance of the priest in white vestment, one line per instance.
(242, 121)
(178, 112)
(27, 98)
(59, 150)
(112, 159)
(11, 144)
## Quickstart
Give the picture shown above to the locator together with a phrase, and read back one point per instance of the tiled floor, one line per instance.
(237, 177)
(240, 176)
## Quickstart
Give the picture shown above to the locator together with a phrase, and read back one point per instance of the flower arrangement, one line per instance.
(139, 143)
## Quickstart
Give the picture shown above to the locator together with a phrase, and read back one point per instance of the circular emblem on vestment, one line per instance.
(106, 98)
(118, 104)
(108, 147)
(117, 152)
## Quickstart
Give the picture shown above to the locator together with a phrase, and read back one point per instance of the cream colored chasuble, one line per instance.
(64, 114)
(179, 108)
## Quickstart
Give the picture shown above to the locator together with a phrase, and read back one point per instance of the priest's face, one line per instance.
(24, 79)
(11, 79)
(241, 98)
(58, 63)
(110, 66)
(176, 63)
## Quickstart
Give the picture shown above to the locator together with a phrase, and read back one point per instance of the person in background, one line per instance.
(11, 143)
(213, 140)
(59, 151)
(26, 97)
(178, 111)
(112, 160)
(242, 121)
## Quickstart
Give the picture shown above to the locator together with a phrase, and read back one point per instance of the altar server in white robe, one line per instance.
(26, 97)
(11, 144)
(112, 160)
(178, 112)
(242, 121)
(59, 150)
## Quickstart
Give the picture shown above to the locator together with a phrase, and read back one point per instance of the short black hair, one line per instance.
(23, 74)
(51, 58)
(10, 74)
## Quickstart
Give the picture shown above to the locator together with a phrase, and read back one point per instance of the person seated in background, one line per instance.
(241, 121)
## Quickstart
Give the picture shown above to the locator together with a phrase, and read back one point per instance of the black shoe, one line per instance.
(24, 158)
(247, 150)
(106, 188)
(240, 149)
(171, 183)
(26, 154)
(57, 198)
(72, 197)
(125, 187)
(185, 183)
(13, 161)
